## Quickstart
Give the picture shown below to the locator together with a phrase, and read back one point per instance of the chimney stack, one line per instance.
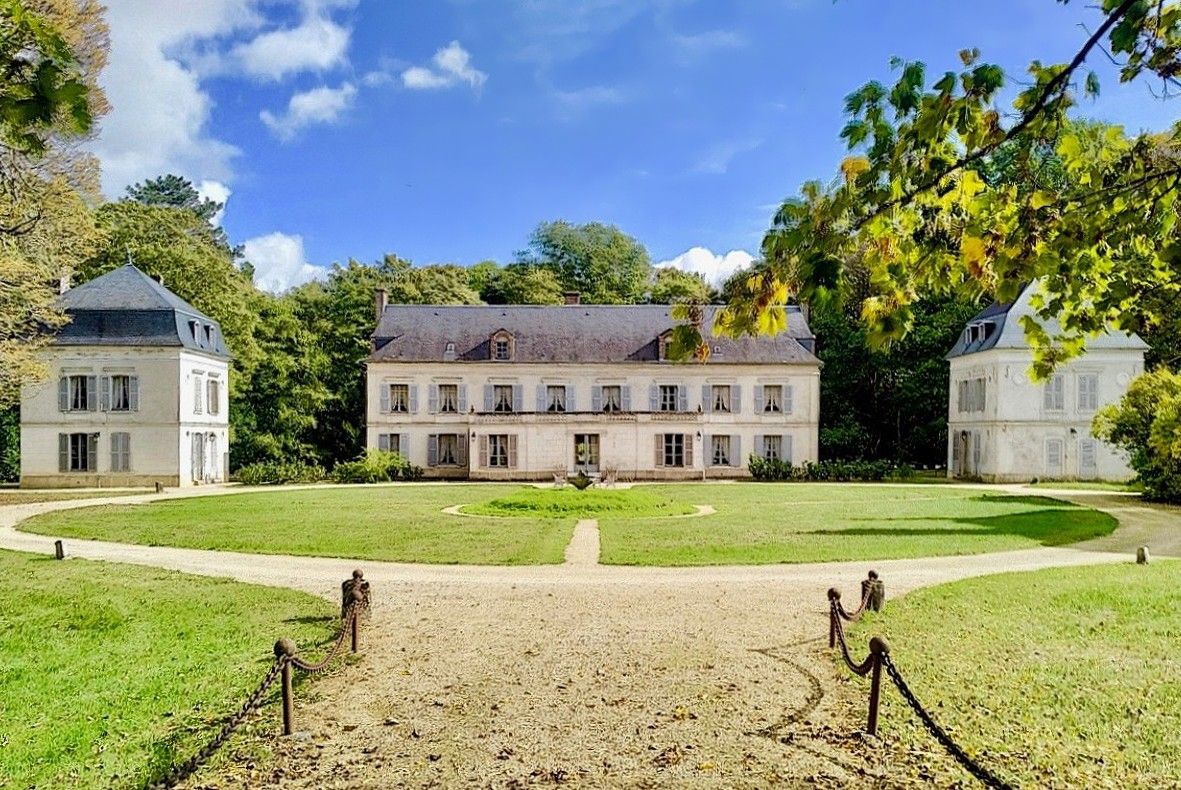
(63, 282)
(380, 296)
(571, 297)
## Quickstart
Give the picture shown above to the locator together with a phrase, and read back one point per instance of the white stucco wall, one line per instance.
(159, 448)
(546, 441)
(1018, 436)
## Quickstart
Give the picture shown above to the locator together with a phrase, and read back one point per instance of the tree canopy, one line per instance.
(601, 262)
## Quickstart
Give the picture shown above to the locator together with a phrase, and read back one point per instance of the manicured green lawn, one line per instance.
(591, 503)
(396, 523)
(1058, 678)
(27, 497)
(799, 522)
(110, 673)
(1088, 485)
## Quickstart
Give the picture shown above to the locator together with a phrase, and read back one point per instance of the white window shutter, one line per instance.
(432, 450)
(654, 398)
(92, 393)
(488, 397)
(512, 451)
(541, 404)
(625, 398)
(707, 402)
(570, 403)
(104, 393)
(432, 403)
(462, 394)
(63, 452)
(787, 455)
(413, 398)
(197, 395)
(736, 450)
(404, 445)
(63, 394)
(596, 398)
(518, 398)
(758, 399)
(688, 449)
(383, 441)
(133, 392)
(682, 398)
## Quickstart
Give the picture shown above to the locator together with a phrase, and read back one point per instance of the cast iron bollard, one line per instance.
(59, 551)
(875, 589)
(878, 647)
(1142, 555)
(357, 583)
(284, 651)
(834, 597)
(358, 600)
(159, 487)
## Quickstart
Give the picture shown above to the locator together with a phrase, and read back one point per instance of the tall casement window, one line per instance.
(502, 398)
(391, 442)
(719, 397)
(971, 395)
(120, 452)
(213, 394)
(77, 452)
(668, 397)
(773, 399)
(1088, 392)
(449, 398)
(399, 398)
(674, 449)
(120, 392)
(719, 454)
(773, 448)
(198, 395)
(555, 398)
(612, 397)
(446, 449)
(498, 451)
(1054, 393)
(78, 393)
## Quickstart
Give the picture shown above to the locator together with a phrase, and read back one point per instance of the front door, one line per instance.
(198, 460)
(586, 452)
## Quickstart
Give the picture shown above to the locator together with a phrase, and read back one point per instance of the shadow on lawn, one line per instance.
(1050, 527)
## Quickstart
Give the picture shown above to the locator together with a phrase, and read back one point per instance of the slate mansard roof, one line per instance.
(999, 326)
(569, 333)
(126, 307)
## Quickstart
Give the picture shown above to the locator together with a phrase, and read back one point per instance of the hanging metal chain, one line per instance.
(856, 615)
(187, 768)
(865, 666)
(346, 628)
(971, 766)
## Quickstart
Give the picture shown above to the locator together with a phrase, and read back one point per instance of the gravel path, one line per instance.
(594, 675)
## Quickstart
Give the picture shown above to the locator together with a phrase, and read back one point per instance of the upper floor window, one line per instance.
(668, 397)
(400, 398)
(720, 397)
(612, 398)
(449, 398)
(77, 393)
(120, 392)
(971, 395)
(502, 346)
(198, 395)
(213, 393)
(1088, 392)
(773, 398)
(1054, 393)
(555, 398)
(502, 398)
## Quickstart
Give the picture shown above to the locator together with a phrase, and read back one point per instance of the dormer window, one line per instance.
(663, 342)
(209, 335)
(502, 347)
(193, 329)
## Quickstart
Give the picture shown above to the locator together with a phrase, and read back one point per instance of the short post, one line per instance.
(284, 651)
(159, 487)
(358, 599)
(357, 582)
(876, 590)
(834, 596)
(59, 551)
(1141, 555)
(878, 647)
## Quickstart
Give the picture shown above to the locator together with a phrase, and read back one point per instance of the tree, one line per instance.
(516, 283)
(915, 201)
(175, 191)
(1146, 424)
(671, 285)
(601, 262)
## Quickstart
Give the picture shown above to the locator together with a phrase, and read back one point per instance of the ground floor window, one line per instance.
(120, 452)
(448, 449)
(720, 451)
(499, 451)
(773, 448)
(671, 449)
(586, 451)
(1054, 457)
(390, 442)
(77, 452)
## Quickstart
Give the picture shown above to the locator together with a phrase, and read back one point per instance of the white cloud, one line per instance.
(218, 193)
(279, 262)
(318, 105)
(160, 114)
(316, 44)
(710, 40)
(452, 65)
(716, 161)
(714, 268)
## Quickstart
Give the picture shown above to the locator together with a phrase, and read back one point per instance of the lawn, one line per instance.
(1088, 485)
(758, 523)
(110, 673)
(396, 523)
(26, 497)
(1058, 678)
(571, 503)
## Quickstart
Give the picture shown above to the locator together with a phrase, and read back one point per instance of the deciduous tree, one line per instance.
(601, 262)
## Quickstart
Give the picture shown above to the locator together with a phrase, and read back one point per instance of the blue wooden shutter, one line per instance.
(541, 404)
(92, 393)
(758, 399)
(787, 456)
(104, 393)
(433, 399)
(518, 398)
(654, 398)
(133, 392)
(404, 445)
(707, 403)
(682, 398)
(626, 398)
(92, 452)
(758, 448)
(462, 389)
(383, 441)
(385, 398)
(736, 450)
(413, 398)
(432, 450)
(570, 404)
(596, 398)
(736, 399)
(488, 395)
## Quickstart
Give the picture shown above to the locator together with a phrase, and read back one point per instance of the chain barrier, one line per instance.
(879, 657)
(988, 778)
(356, 603)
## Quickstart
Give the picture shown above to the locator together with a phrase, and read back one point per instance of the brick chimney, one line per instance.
(380, 297)
(571, 297)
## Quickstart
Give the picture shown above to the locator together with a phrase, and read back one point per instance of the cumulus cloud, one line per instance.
(452, 66)
(713, 267)
(218, 193)
(279, 262)
(316, 44)
(318, 105)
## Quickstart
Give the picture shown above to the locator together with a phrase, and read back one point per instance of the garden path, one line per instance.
(600, 675)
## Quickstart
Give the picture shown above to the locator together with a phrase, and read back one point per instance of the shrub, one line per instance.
(776, 470)
(1146, 423)
(280, 473)
(375, 466)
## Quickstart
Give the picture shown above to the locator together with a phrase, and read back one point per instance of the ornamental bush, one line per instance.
(1146, 424)
(775, 470)
(375, 466)
(280, 473)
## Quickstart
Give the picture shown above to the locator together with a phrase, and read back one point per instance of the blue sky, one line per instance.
(444, 131)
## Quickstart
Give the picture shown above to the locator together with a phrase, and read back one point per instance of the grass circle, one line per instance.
(571, 503)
